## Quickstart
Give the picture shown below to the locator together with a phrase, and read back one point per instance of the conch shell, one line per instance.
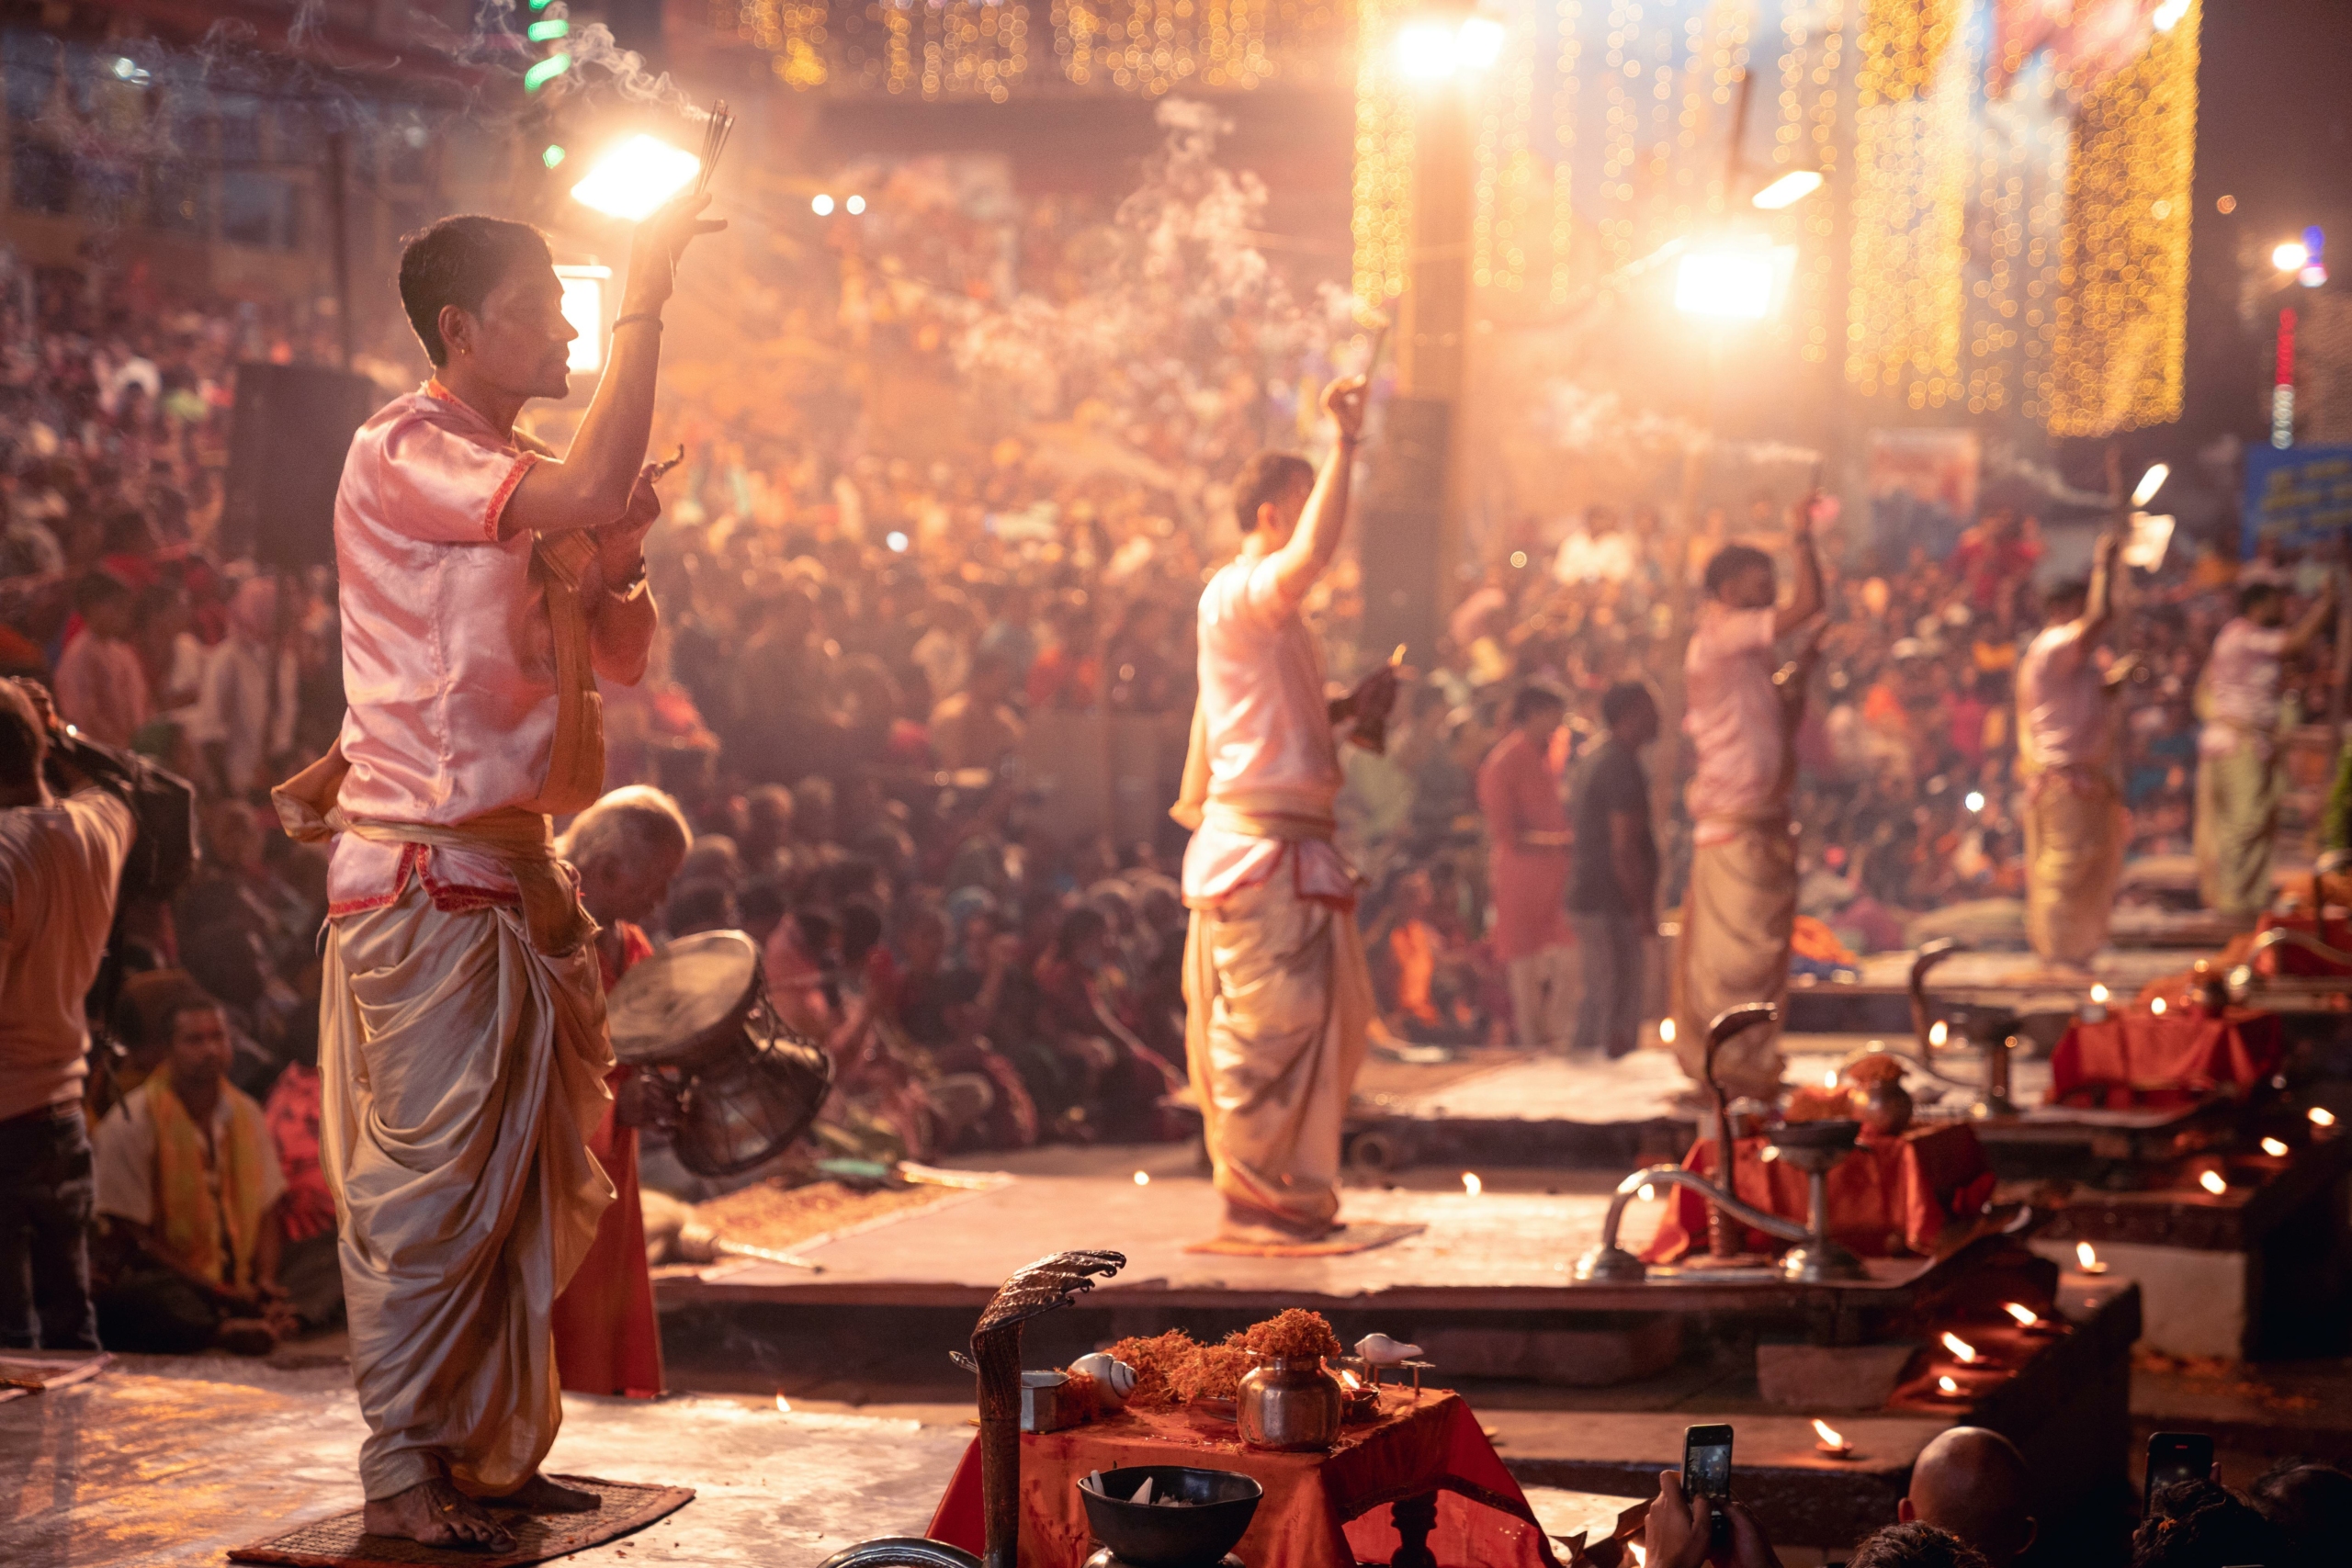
(1115, 1379)
(1379, 1350)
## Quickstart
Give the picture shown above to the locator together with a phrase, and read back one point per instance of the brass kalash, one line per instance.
(1814, 1147)
(1215, 1507)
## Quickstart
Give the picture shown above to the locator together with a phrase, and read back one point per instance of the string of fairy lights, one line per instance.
(2002, 231)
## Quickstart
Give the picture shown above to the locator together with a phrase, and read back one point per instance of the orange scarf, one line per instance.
(186, 1221)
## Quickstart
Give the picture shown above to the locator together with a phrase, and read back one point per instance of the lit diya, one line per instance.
(1831, 1441)
(2086, 1258)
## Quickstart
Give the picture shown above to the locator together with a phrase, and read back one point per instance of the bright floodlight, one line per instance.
(2151, 482)
(2169, 14)
(821, 205)
(1479, 43)
(854, 205)
(637, 178)
(2292, 255)
(1789, 189)
(1427, 52)
(1730, 283)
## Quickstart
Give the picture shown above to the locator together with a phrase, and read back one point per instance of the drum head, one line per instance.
(675, 1002)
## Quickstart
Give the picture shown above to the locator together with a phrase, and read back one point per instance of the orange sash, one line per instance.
(186, 1219)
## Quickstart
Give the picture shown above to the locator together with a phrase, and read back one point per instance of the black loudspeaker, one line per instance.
(1401, 544)
(293, 425)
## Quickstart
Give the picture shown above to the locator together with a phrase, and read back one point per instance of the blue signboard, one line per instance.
(2299, 496)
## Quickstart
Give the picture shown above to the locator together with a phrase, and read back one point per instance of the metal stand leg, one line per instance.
(1414, 1518)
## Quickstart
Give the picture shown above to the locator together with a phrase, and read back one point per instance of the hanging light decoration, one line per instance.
(2123, 312)
(1912, 153)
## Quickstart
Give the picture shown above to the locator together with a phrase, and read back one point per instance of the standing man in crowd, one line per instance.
(1613, 896)
(1527, 860)
(485, 587)
(1277, 995)
(59, 861)
(2239, 768)
(1742, 904)
(2075, 822)
(625, 848)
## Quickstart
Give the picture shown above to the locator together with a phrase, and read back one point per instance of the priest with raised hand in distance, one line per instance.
(2076, 825)
(1741, 906)
(485, 586)
(1277, 997)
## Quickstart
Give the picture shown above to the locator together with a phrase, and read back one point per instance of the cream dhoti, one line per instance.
(463, 1072)
(1736, 921)
(2237, 823)
(1277, 1004)
(2075, 829)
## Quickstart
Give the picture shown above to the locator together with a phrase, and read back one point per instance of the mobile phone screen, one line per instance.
(2176, 1456)
(1706, 1462)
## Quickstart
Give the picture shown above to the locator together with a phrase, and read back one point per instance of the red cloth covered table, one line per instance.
(1893, 1195)
(2134, 1059)
(1320, 1510)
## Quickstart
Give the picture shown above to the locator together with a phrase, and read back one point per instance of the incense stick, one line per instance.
(716, 126)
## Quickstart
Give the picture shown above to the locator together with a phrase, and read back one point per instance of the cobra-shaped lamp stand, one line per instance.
(1728, 1025)
(1048, 1284)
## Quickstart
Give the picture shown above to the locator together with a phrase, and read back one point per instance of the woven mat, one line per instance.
(338, 1542)
(1361, 1236)
(772, 1215)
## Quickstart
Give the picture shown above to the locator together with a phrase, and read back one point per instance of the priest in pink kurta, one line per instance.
(1277, 995)
(485, 586)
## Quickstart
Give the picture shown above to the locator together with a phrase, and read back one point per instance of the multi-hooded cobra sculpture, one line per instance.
(1037, 1289)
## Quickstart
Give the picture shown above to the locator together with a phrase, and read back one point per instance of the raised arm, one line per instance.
(1806, 603)
(2099, 605)
(2302, 635)
(1317, 539)
(591, 486)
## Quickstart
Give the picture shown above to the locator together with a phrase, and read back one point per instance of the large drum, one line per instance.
(695, 1018)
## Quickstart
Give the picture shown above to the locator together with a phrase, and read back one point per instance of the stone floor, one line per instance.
(168, 1460)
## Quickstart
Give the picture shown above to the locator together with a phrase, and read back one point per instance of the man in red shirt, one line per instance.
(1527, 857)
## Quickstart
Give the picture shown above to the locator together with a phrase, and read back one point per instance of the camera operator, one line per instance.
(60, 860)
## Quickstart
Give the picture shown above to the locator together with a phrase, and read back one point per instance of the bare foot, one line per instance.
(435, 1513)
(540, 1495)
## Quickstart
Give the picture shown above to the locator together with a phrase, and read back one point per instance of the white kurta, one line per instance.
(463, 1066)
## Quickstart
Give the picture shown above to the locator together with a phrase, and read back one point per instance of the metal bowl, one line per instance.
(1217, 1508)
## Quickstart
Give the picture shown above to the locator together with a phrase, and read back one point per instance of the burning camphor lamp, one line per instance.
(1831, 1441)
(644, 172)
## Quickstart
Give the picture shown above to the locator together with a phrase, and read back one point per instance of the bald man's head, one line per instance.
(1971, 1482)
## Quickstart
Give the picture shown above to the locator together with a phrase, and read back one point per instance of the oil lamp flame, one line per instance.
(2156, 1006)
(1945, 1386)
(1471, 1184)
(2022, 1312)
(2099, 994)
(783, 1403)
(1143, 1178)
(1348, 1379)
(1938, 1032)
(2321, 1116)
(1829, 1078)
(1830, 1437)
(2086, 1254)
(1960, 1348)
(2275, 1148)
(2213, 1182)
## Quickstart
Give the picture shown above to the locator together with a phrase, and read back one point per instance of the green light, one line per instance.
(552, 156)
(538, 5)
(554, 27)
(546, 71)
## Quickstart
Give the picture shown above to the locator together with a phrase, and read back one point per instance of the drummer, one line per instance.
(625, 848)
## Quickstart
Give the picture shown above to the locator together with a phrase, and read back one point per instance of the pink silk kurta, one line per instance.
(1519, 793)
(1269, 736)
(449, 662)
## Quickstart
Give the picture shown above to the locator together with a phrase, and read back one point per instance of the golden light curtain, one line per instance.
(1912, 154)
(2122, 313)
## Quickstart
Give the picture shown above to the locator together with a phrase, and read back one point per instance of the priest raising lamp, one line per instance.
(636, 178)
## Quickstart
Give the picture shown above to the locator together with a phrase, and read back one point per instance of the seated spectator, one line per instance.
(977, 728)
(189, 1190)
(101, 687)
(1972, 1482)
(1915, 1546)
(2203, 1524)
(2311, 1507)
(308, 1265)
